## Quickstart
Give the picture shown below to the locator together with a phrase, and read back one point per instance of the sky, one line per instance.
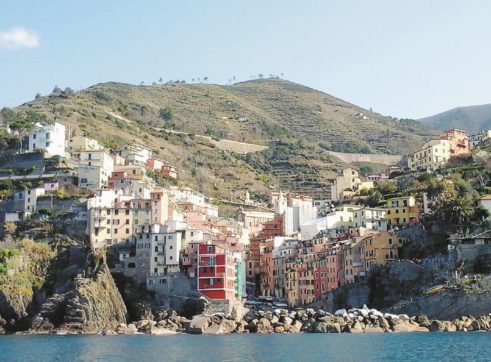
(407, 59)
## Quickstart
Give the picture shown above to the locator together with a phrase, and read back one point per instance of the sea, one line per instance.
(475, 346)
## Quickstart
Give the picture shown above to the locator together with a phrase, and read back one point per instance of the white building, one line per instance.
(50, 138)
(370, 218)
(165, 250)
(96, 166)
(478, 139)
(135, 154)
(27, 199)
(82, 143)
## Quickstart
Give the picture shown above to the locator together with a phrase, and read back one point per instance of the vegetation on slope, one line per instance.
(297, 123)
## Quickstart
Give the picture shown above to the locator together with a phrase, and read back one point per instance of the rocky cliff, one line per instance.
(95, 304)
(67, 289)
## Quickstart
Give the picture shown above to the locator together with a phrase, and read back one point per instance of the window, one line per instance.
(127, 231)
(155, 270)
(116, 212)
(127, 212)
(170, 247)
(127, 221)
(108, 230)
(115, 231)
(155, 259)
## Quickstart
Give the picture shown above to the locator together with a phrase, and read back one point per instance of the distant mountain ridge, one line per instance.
(471, 118)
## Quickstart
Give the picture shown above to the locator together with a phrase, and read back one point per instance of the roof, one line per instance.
(486, 197)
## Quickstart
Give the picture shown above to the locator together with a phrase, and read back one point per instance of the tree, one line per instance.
(260, 76)
(205, 79)
(8, 115)
(386, 187)
(56, 89)
(23, 127)
(161, 80)
(374, 199)
(166, 114)
(38, 95)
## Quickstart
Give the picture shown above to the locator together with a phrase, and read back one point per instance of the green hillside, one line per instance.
(297, 123)
(472, 119)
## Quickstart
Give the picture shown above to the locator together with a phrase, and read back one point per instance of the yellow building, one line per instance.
(108, 226)
(402, 211)
(431, 156)
(382, 247)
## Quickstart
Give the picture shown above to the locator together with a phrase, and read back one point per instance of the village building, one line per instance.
(50, 138)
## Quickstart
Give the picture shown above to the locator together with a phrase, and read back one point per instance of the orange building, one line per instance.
(459, 141)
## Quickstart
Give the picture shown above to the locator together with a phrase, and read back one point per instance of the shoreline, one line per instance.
(282, 321)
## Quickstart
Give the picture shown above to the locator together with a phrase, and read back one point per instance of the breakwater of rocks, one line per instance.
(357, 320)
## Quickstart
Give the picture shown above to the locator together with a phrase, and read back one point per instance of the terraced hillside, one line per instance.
(297, 124)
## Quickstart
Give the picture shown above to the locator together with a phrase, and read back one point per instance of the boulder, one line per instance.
(228, 326)
(131, 329)
(341, 313)
(334, 328)
(198, 324)
(373, 329)
(320, 327)
(296, 327)
(158, 331)
(279, 329)
(357, 327)
(436, 326)
(287, 320)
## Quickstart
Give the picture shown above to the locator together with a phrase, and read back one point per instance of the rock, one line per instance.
(382, 322)
(228, 326)
(373, 329)
(142, 324)
(94, 305)
(265, 322)
(296, 327)
(320, 327)
(423, 320)
(286, 320)
(158, 331)
(310, 312)
(279, 329)
(404, 326)
(357, 327)
(274, 319)
(334, 328)
(341, 313)
(198, 324)
(131, 329)
(436, 326)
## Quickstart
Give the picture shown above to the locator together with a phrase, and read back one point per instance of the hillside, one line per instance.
(472, 119)
(297, 124)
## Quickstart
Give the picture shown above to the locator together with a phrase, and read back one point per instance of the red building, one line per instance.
(334, 266)
(321, 278)
(216, 272)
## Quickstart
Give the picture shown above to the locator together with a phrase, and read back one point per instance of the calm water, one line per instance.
(253, 347)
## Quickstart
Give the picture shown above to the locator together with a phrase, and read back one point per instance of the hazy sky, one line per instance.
(402, 58)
